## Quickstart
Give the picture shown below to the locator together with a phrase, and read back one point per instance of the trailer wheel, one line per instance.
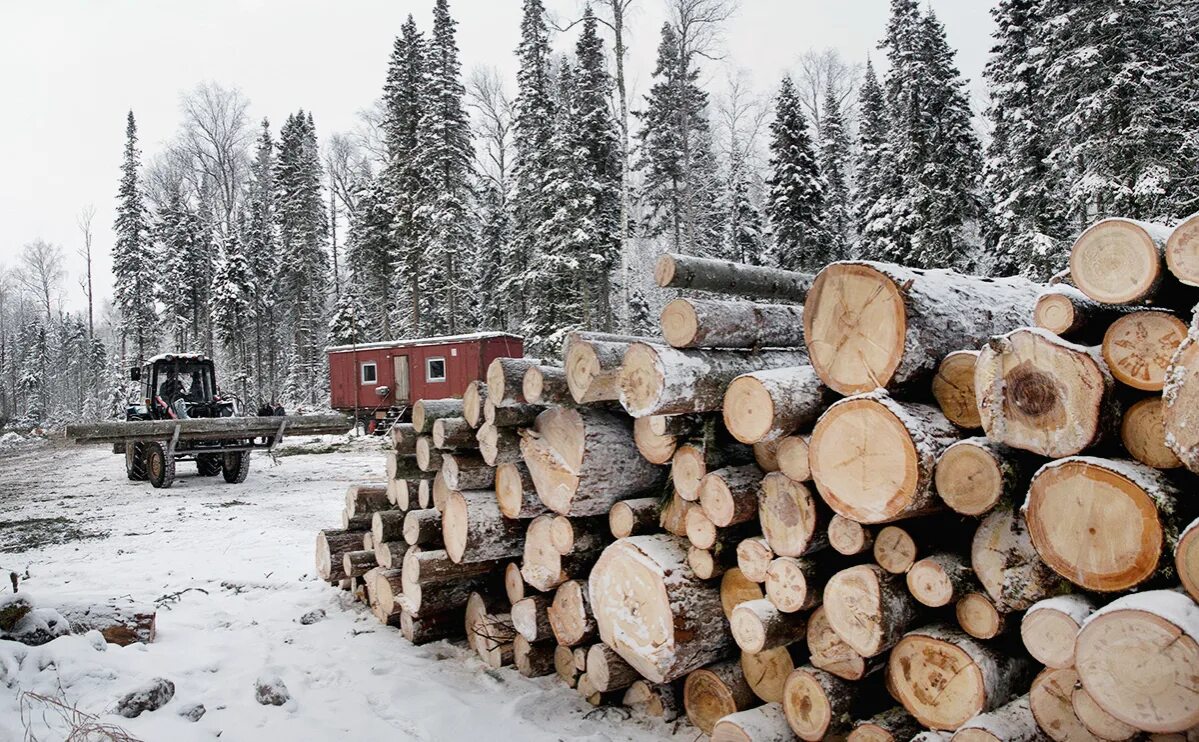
(209, 464)
(236, 466)
(160, 468)
(135, 462)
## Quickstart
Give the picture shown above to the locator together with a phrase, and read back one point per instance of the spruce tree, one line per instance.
(262, 260)
(747, 242)
(875, 179)
(132, 259)
(233, 309)
(834, 166)
(532, 131)
(371, 256)
(1025, 189)
(445, 158)
(795, 204)
(495, 230)
(347, 325)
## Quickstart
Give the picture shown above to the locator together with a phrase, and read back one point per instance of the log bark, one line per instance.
(730, 496)
(872, 325)
(794, 522)
(1138, 347)
(1012, 722)
(817, 703)
(892, 725)
(831, 654)
(848, 537)
(1007, 564)
(652, 609)
(390, 554)
(1105, 525)
(467, 471)
(657, 380)
(453, 433)
(677, 425)
(1050, 627)
(206, 429)
(757, 625)
(1181, 398)
(692, 461)
(607, 671)
(387, 525)
(771, 404)
(401, 467)
(944, 678)
(422, 600)
(505, 380)
(792, 457)
(432, 627)
(953, 388)
(1039, 393)
(403, 438)
(592, 362)
(706, 323)
(434, 567)
(1067, 312)
(533, 660)
(365, 499)
(1143, 432)
(977, 616)
(1050, 701)
(797, 583)
(656, 448)
(515, 415)
(472, 402)
(941, 579)
(1137, 656)
(584, 460)
(657, 700)
(713, 692)
(975, 475)
(634, 517)
(726, 277)
(869, 608)
(331, 548)
(1186, 558)
(766, 723)
(422, 528)
(498, 445)
(901, 442)
(1182, 251)
(570, 614)
(515, 493)
(1120, 261)
(358, 562)
(753, 558)
(474, 530)
(546, 385)
(427, 411)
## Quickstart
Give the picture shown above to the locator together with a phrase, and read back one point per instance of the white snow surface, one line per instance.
(242, 555)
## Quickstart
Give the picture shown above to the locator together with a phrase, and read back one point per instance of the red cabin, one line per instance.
(378, 381)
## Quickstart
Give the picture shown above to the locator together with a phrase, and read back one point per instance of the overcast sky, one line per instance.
(72, 68)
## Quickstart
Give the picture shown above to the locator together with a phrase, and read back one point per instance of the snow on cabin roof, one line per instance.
(421, 341)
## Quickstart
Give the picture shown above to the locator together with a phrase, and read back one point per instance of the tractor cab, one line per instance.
(178, 386)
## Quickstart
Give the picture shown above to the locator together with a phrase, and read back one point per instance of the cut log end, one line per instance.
(1182, 251)
(679, 322)
(1055, 312)
(1138, 347)
(1116, 261)
(969, 477)
(848, 537)
(1143, 432)
(953, 388)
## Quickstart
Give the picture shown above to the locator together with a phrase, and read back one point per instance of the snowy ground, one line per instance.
(239, 561)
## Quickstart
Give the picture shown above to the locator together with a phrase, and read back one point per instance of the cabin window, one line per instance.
(370, 373)
(435, 369)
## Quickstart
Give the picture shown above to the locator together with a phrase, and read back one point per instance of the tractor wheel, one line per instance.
(160, 468)
(135, 462)
(236, 466)
(209, 464)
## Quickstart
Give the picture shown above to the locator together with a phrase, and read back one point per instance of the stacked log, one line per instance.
(815, 497)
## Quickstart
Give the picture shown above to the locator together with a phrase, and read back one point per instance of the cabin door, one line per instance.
(401, 377)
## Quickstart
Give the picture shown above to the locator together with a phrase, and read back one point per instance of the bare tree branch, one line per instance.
(216, 136)
(492, 120)
(820, 70)
(39, 273)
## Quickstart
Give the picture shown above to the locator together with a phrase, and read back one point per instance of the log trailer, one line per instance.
(182, 416)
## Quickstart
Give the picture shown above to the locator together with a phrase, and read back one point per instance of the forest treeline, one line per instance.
(469, 202)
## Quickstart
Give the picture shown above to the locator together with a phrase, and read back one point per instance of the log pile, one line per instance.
(875, 503)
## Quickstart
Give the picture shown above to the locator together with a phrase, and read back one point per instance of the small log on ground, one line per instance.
(757, 625)
(766, 723)
(817, 703)
(976, 474)
(331, 548)
(533, 660)
(1182, 251)
(1137, 657)
(584, 460)
(1050, 627)
(498, 445)
(1052, 707)
(730, 496)
(941, 579)
(900, 440)
(422, 528)
(1138, 347)
(768, 405)
(515, 493)
(978, 617)
(953, 388)
(797, 583)
(735, 589)
(1039, 393)
(453, 433)
(472, 402)
(403, 438)
(830, 653)
(546, 385)
(1012, 722)
(1143, 432)
(1120, 261)
(849, 537)
(427, 411)
(657, 700)
(432, 627)
(652, 609)
(893, 725)
(1186, 558)
(657, 380)
(592, 362)
(714, 692)
(634, 517)
(726, 277)
(944, 678)
(792, 457)
(474, 530)
(706, 323)
(1105, 525)
(606, 669)
(753, 558)
(505, 380)
(871, 325)
(869, 608)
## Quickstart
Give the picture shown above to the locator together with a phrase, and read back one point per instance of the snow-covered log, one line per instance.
(766, 723)
(848, 537)
(515, 492)
(1186, 558)
(792, 457)
(1005, 561)
(1012, 722)
(770, 404)
(453, 433)
(427, 411)
(703, 323)
(546, 385)
(506, 379)
(1067, 312)
(941, 579)
(757, 625)
(1050, 627)
(726, 277)
(657, 448)
(498, 445)
(817, 703)
(869, 608)
(976, 474)
(830, 653)
(1143, 433)
(592, 362)
(634, 517)
(467, 471)
(472, 402)
(953, 389)
(474, 530)
(730, 496)
(1182, 251)
(753, 558)
(1120, 261)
